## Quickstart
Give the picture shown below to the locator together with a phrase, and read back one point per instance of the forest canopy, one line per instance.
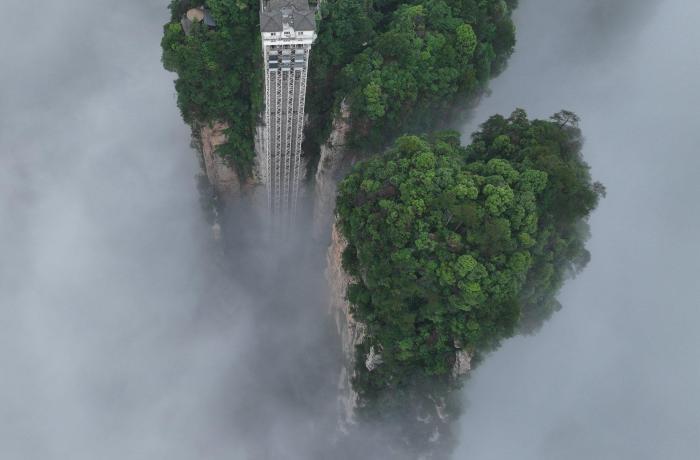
(397, 63)
(455, 248)
(218, 68)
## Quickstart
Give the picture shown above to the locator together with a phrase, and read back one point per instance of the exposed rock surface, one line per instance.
(433, 418)
(333, 152)
(462, 365)
(222, 175)
(351, 332)
(373, 359)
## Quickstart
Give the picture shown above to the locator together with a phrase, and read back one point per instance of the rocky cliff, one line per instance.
(222, 175)
(334, 154)
(350, 331)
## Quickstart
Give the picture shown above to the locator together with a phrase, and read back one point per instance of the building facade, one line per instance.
(288, 29)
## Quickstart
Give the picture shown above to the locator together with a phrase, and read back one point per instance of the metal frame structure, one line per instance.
(286, 52)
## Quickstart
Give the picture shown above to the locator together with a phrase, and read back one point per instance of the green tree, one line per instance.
(215, 81)
(398, 63)
(457, 247)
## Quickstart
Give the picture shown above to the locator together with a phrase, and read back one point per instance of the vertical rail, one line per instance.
(300, 130)
(285, 100)
(267, 138)
(276, 181)
(288, 141)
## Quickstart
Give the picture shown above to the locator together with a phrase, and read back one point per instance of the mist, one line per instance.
(614, 375)
(126, 331)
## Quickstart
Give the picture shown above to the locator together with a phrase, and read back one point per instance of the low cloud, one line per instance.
(613, 375)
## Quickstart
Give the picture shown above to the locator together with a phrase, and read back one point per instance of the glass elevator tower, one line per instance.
(288, 29)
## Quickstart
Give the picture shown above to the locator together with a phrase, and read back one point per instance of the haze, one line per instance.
(127, 333)
(616, 373)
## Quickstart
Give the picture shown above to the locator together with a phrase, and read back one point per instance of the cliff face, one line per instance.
(428, 416)
(333, 152)
(222, 175)
(431, 414)
(350, 331)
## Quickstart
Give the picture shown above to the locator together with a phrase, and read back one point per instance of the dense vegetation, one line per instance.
(452, 248)
(397, 63)
(219, 77)
(456, 247)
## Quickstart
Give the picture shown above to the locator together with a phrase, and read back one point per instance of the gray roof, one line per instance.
(186, 25)
(296, 13)
(208, 19)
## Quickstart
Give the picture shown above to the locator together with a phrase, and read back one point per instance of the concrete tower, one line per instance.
(288, 29)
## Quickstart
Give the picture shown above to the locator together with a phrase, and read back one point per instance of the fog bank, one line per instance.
(615, 374)
(126, 333)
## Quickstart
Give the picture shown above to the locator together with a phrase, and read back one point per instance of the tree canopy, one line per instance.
(395, 62)
(398, 62)
(219, 72)
(457, 247)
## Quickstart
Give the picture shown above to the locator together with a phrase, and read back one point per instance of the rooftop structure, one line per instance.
(195, 14)
(286, 15)
(199, 14)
